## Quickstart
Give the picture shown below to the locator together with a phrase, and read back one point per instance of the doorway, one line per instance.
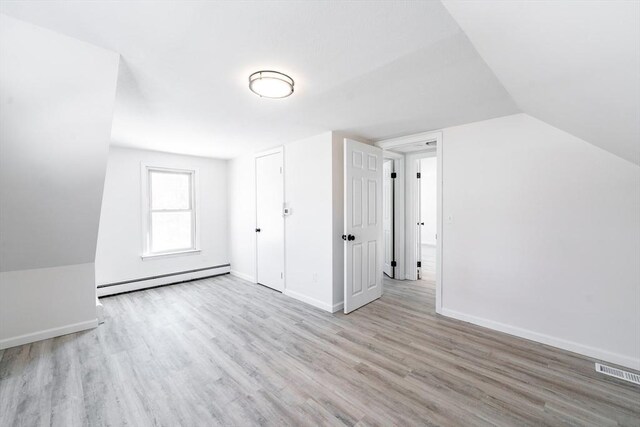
(270, 219)
(418, 168)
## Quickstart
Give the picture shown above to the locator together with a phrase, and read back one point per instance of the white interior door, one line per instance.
(387, 220)
(364, 255)
(270, 220)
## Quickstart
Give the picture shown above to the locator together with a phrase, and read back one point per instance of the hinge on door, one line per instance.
(419, 264)
(393, 264)
(282, 275)
(418, 175)
(394, 175)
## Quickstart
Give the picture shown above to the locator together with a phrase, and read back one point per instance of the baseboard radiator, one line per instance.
(114, 288)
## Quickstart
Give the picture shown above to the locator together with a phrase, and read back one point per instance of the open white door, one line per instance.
(419, 216)
(364, 255)
(269, 220)
(387, 220)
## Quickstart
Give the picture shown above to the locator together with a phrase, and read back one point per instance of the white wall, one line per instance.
(42, 303)
(56, 104)
(544, 240)
(120, 240)
(310, 230)
(429, 200)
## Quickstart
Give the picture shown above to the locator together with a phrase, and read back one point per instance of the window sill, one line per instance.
(169, 254)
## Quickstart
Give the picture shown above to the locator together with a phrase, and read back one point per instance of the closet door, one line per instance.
(270, 220)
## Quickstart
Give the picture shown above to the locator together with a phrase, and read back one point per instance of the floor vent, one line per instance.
(618, 373)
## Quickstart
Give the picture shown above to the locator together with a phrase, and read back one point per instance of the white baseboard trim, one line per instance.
(584, 350)
(99, 311)
(150, 283)
(338, 307)
(309, 300)
(47, 333)
(243, 276)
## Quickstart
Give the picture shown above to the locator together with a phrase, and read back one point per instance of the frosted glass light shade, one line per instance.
(271, 84)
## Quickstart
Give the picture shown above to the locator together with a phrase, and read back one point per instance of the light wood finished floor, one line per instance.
(223, 351)
(428, 258)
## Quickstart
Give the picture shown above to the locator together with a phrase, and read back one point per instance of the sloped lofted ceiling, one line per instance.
(373, 69)
(56, 104)
(572, 64)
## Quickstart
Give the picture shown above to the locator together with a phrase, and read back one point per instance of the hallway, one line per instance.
(428, 258)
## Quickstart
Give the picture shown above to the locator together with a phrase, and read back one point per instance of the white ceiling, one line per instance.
(572, 64)
(373, 69)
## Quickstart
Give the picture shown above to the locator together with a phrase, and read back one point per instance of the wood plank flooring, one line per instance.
(222, 351)
(428, 258)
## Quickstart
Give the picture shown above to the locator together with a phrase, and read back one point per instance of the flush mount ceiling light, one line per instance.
(270, 84)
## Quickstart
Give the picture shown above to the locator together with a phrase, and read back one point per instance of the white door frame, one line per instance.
(387, 207)
(417, 140)
(257, 155)
(398, 212)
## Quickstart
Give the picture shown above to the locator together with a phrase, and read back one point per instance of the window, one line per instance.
(170, 211)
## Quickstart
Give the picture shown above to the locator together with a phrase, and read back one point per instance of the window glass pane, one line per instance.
(170, 231)
(170, 190)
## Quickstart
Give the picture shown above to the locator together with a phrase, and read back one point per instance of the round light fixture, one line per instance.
(270, 84)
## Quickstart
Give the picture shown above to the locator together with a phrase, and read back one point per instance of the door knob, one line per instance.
(344, 237)
(257, 230)
(351, 237)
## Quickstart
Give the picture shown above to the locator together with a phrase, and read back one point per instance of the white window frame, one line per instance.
(146, 171)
